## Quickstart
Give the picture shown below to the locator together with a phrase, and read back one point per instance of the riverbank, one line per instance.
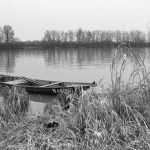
(114, 115)
(69, 45)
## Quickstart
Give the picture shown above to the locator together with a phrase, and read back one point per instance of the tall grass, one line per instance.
(14, 101)
(116, 117)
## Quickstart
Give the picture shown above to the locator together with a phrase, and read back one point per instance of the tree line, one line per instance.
(85, 36)
(95, 38)
(77, 38)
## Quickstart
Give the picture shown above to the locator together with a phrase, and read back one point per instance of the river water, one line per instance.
(86, 65)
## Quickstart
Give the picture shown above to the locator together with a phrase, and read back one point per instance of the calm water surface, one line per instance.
(62, 65)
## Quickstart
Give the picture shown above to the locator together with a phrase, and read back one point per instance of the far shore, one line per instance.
(67, 45)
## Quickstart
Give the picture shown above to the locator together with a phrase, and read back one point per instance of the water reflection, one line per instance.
(7, 61)
(78, 58)
(38, 102)
(62, 64)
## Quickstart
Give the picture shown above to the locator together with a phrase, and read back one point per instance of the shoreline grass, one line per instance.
(116, 117)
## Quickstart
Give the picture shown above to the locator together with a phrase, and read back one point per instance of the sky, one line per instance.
(31, 18)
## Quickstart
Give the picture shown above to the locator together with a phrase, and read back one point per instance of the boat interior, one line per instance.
(13, 80)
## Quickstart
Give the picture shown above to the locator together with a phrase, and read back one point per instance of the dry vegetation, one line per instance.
(114, 117)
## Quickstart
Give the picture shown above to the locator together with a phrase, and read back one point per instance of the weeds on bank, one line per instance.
(117, 117)
(14, 102)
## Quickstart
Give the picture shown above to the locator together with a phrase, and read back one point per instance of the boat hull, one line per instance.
(43, 86)
(53, 90)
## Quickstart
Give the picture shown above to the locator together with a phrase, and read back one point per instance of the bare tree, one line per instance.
(108, 36)
(102, 36)
(8, 34)
(80, 35)
(125, 36)
(96, 35)
(47, 36)
(88, 36)
(117, 36)
(71, 35)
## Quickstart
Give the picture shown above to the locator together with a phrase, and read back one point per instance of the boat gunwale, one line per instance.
(72, 84)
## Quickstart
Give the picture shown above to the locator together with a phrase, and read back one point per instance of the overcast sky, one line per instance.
(31, 18)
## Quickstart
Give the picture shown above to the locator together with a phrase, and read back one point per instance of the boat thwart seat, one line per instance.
(15, 82)
(47, 85)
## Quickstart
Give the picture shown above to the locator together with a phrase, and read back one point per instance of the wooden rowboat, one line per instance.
(42, 86)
